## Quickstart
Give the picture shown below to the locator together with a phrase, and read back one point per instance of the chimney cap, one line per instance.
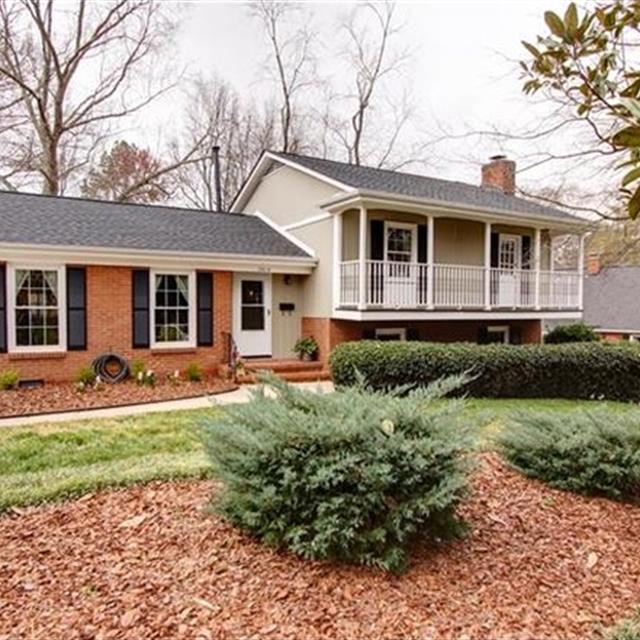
(499, 156)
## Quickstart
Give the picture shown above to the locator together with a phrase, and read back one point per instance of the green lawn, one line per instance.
(55, 461)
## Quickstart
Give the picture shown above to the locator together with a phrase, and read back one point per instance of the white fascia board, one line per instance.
(307, 221)
(283, 232)
(437, 208)
(260, 170)
(399, 316)
(624, 331)
(10, 252)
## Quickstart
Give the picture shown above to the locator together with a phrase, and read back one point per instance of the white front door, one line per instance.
(401, 273)
(252, 314)
(509, 265)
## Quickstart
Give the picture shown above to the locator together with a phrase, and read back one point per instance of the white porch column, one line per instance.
(537, 249)
(487, 265)
(581, 271)
(337, 259)
(430, 260)
(362, 258)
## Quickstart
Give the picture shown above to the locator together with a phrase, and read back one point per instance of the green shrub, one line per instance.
(137, 367)
(628, 629)
(9, 380)
(86, 376)
(194, 372)
(593, 452)
(354, 476)
(578, 332)
(577, 371)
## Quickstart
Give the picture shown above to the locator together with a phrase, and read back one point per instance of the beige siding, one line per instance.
(286, 324)
(318, 287)
(288, 196)
(456, 241)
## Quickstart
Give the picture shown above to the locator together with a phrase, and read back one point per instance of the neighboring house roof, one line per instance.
(417, 186)
(611, 299)
(31, 219)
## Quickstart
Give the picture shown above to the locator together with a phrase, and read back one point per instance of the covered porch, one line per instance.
(403, 259)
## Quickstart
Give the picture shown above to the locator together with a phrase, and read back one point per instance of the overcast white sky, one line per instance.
(463, 74)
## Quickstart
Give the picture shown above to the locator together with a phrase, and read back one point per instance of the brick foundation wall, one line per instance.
(109, 328)
(329, 333)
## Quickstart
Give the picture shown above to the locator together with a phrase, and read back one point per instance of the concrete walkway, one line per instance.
(232, 397)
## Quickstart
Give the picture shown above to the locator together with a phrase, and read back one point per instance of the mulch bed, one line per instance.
(52, 398)
(150, 562)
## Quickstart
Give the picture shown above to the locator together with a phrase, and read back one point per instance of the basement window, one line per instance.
(498, 335)
(391, 335)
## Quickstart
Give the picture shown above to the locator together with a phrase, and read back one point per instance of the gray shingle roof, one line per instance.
(418, 186)
(612, 299)
(49, 220)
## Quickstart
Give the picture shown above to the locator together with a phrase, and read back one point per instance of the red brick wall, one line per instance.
(109, 329)
(329, 332)
(613, 337)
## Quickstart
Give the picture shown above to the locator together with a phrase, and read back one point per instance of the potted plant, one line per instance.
(306, 348)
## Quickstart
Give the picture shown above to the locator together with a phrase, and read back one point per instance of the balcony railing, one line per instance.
(405, 285)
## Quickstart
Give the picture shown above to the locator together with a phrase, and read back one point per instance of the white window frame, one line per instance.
(391, 224)
(191, 274)
(503, 329)
(62, 309)
(389, 331)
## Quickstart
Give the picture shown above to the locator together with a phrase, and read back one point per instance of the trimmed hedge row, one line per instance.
(575, 371)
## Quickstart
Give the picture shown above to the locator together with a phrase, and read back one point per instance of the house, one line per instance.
(404, 256)
(310, 247)
(79, 278)
(611, 296)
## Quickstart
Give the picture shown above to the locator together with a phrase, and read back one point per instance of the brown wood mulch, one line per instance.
(53, 397)
(150, 562)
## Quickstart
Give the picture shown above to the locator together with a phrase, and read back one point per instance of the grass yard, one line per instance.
(59, 460)
(152, 561)
(56, 461)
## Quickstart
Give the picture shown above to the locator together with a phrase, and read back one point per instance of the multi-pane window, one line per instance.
(37, 307)
(171, 310)
(399, 244)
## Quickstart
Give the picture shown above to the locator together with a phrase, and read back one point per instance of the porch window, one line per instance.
(37, 309)
(173, 309)
(400, 243)
(498, 335)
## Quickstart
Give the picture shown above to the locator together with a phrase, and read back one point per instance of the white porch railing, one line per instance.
(404, 285)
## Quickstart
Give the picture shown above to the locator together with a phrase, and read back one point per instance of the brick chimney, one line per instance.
(594, 264)
(500, 173)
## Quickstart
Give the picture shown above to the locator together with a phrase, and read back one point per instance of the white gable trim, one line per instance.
(260, 171)
(289, 236)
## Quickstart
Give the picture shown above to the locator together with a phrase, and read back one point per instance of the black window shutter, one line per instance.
(422, 243)
(368, 334)
(76, 308)
(377, 239)
(140, 287)
(205, 309)
(515, 335)
(495, 249)
(3, 308)
(483, 335)
(526, 252)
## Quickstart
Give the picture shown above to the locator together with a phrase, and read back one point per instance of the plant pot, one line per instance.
(307, 357)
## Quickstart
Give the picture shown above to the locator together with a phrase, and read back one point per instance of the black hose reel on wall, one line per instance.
(111, 368)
